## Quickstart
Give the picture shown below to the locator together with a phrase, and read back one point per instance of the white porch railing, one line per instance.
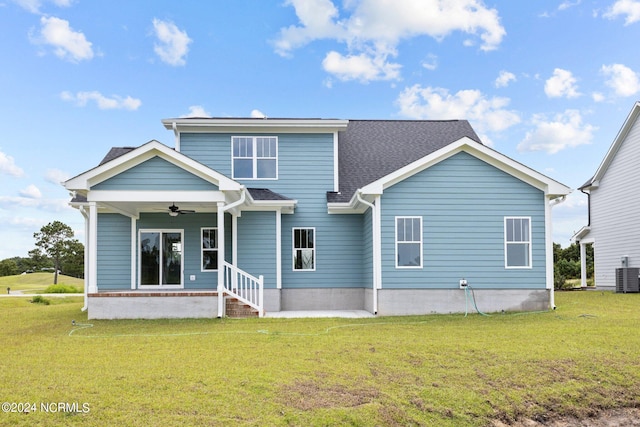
(245, 287)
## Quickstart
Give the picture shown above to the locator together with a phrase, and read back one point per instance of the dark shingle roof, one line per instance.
(116, 152)
(265, 194)
(372, 149)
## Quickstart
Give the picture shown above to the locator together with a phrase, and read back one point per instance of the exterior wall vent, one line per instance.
(627, 280)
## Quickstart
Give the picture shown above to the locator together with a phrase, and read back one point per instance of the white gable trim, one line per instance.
(549, 186)
(615, 146)
(141, 154)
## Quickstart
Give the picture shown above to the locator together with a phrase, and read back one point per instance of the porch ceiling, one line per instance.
(134, 209)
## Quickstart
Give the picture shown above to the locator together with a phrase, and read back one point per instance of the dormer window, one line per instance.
(255, 157)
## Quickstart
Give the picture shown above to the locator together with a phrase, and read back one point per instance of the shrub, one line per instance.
(62, 289)
(38, 299)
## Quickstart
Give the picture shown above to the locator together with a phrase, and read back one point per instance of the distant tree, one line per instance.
(73, 260)
(566, 263)
(8, 267)
(54, 239)
(37, 261)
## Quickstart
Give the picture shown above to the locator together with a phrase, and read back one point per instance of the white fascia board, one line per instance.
(155, 196)
(200, 125)
(482, 152)
(617, 142)
(143, 153)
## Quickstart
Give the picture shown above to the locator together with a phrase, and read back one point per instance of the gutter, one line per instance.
(376, 258)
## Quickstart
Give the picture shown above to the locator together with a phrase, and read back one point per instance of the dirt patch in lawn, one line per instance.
(622, 417)
(308, 395)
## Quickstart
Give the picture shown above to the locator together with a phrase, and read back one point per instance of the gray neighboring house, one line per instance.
(612, 208)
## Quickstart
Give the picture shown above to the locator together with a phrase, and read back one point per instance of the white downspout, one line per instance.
(376, 258)
(549, 248)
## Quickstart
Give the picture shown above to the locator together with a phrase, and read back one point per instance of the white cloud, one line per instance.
(50, 205)
(623, 80)
(173, 43)
(197, 111)
(568, 4)
(67, 44)
(504, 78)
(34, 6)
(104, 103)
(629, 8)
(8, 166)
(374, 28)
(597, 97)
(431, 63)
(257, 114)
(31, 192)
(56, 176)
(485, 114)
(561, 84)
(565, 130)
(360, 67)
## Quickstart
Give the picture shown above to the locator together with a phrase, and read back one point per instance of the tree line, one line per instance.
(55, 250)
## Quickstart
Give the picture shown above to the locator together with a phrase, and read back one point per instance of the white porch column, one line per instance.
(548, 238)
(583, 264)
(221, 234)
(93, 247)
(279, 249)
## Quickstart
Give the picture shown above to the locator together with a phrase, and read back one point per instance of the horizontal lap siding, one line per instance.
(257, 245)
(463, 202)
(155, 174)
(114, 252)
(614, 210)
(305, 174)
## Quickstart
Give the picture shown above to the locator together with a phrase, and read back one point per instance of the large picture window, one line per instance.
(255, 157)
(517, 242)
(209, 249)
(408, 242)
(160, 258)
(304, 249)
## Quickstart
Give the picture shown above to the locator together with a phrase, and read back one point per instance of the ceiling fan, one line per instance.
(175, 211)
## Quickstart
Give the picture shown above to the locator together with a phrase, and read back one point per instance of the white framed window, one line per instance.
(304, 249)
(517, 242)
(160, 258)
(254, 157)
(209, 249)
(408, 242)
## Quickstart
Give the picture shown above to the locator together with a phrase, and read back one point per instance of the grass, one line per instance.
(37, 282)
(445, 370)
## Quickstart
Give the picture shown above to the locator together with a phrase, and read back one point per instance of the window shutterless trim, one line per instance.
(410, 241)
(521, 242)
(203, 249)
(294, 248)
(257, 154)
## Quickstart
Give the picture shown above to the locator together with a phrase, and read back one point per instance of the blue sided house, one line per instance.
(389, 216)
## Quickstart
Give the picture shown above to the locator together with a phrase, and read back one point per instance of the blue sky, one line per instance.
(548, 83)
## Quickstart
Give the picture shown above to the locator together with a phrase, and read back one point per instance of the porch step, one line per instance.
(238, 309)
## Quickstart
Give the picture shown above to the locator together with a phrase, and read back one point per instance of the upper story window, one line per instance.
(255, 157)
(517, 242)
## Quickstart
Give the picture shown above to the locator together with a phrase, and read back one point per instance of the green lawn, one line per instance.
(444, 370)
(36, 282)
